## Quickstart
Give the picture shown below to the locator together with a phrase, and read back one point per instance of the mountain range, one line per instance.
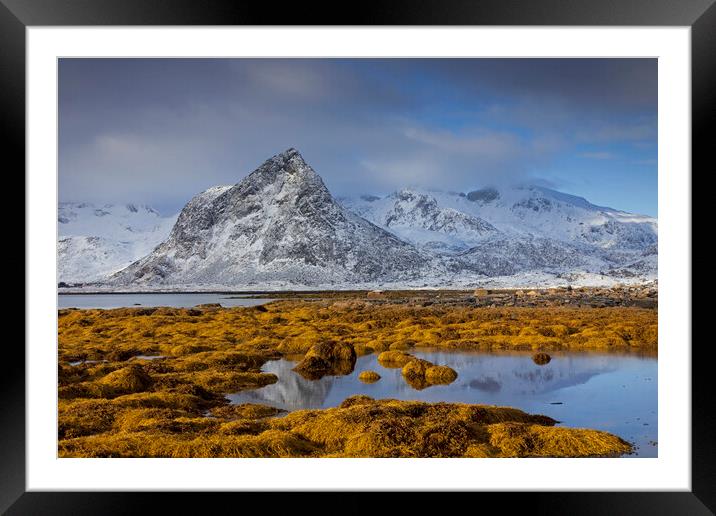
(96, 241)
(280, 227)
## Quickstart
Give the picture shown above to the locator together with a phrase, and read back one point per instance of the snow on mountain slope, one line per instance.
(550, 214)
(95, 242)
(417, 218)
(519, 211)
(513, 231)
(280, 223)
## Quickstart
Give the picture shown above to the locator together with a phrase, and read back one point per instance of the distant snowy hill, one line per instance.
(465, 220)
(519, 230)
(96, 241)
(419, 218)
(280, 227)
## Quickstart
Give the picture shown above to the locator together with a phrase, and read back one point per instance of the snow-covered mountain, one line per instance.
(516, 230)
(279, 224)
(96, 241)
(522, 211)
(417, 217)
(280, 227)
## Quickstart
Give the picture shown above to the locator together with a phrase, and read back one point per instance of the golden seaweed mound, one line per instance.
(541, 358)
(368, 376)
(419, 373)
(394, 358)
(359, 427)
(327, 358)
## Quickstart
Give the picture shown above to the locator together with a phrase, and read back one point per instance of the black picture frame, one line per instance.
(17, 15)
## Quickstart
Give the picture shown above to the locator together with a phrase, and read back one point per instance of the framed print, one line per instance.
(417, 249)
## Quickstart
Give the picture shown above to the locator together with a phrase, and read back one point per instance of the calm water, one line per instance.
(176, 300)
(612, 392)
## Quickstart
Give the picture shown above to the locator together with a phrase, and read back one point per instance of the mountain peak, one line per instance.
(291, 151)
(289, 157)
(287, 164)
(278, 223)
(293, 161)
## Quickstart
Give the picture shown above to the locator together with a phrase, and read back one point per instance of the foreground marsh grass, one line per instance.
(114, 404)
(360, 427)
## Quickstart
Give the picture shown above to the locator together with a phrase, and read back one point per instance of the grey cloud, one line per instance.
(597, 155)
(159, 131)
(625, 132)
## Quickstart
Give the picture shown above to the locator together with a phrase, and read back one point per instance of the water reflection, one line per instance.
(577, 389)
(485, 384)
(291, 392)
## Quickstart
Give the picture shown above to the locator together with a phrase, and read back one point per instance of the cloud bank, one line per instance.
(158, 131)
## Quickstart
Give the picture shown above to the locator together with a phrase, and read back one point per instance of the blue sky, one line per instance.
(158, 131)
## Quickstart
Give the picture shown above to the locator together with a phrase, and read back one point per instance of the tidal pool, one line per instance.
(613, 392)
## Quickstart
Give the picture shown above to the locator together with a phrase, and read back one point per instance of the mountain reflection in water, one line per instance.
(584, 384)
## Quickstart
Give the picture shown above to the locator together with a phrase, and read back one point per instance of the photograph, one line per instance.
(375, 257)
(404, 248)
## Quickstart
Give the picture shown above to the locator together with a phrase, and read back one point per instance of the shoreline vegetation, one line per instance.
(151, 382)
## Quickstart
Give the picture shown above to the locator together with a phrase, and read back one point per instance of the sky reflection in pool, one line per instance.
(605, 391)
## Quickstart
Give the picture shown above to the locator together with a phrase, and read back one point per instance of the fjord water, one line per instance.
(613, 392)
(174, 300)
